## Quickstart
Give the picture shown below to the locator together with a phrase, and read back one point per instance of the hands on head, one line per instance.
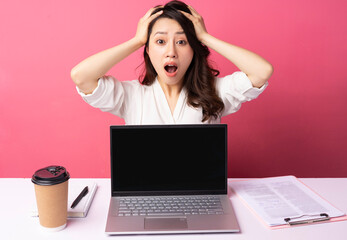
(142, 26)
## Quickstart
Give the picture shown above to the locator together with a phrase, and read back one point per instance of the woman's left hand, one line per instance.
(257, 68)
(198, 22)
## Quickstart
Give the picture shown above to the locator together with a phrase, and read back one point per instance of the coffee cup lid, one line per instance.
(50, 175)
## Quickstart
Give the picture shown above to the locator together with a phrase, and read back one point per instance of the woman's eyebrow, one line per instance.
(160, 32)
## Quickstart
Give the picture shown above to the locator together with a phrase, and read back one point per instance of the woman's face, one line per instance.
(169, 51)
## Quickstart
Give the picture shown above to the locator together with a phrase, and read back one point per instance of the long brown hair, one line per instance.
(199, 78)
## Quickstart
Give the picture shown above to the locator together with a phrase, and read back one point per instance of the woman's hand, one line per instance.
(198, 22)
(142, 26)
(257, 68)
(86, 73)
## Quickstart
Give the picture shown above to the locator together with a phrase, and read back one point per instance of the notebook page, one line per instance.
(277, 198)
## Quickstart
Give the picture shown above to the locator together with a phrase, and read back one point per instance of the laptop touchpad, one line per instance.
(166, 223)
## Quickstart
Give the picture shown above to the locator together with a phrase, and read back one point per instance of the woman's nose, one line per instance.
(171, 50)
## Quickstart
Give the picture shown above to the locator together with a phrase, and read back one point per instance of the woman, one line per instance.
(178, 85)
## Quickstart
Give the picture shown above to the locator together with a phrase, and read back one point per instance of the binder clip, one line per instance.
(311, 219)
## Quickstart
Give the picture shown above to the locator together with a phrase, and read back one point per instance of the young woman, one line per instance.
(178, 85)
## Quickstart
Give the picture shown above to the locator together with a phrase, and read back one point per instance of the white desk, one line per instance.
(18, 197)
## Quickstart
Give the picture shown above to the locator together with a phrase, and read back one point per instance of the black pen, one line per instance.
(80, 196)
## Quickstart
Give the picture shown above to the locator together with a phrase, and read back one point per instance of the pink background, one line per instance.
(297, 126)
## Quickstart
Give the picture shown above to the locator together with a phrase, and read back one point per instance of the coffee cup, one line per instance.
(51, 190)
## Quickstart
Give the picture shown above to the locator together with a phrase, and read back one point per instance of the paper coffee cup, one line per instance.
(51, 190)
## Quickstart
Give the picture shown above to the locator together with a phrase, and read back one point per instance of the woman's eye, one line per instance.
(160, 41)
(181, 42)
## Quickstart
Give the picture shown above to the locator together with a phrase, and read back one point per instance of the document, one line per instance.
(281, 200)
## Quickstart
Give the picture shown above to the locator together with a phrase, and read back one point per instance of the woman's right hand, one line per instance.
(86, 73)
(142, 26)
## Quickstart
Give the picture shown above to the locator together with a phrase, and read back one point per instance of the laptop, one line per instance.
(169, 179)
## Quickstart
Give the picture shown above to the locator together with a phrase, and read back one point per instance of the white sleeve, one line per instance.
(108, 96)
(236, 89)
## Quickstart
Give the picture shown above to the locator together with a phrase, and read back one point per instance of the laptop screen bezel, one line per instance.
(117, 193)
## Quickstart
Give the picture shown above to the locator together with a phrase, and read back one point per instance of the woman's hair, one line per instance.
(199, 79)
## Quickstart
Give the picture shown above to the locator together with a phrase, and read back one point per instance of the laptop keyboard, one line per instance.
(175, 205)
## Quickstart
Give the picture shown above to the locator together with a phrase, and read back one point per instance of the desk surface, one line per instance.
(18, 197)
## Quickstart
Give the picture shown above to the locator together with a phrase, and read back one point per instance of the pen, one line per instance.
(80, 196)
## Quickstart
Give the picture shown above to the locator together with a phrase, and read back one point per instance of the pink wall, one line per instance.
(298, 126)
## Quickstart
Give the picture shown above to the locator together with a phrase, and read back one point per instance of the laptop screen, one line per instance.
(168, 159)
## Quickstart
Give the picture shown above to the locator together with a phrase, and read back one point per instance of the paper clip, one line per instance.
(317, 218)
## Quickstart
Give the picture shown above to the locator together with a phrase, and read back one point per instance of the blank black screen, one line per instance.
(168, 159)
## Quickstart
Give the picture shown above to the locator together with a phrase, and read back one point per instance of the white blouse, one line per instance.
(139, 104)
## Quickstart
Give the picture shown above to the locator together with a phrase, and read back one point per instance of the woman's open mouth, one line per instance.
(170, 69)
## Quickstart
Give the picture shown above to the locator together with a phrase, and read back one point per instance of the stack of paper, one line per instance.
(283, 200)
